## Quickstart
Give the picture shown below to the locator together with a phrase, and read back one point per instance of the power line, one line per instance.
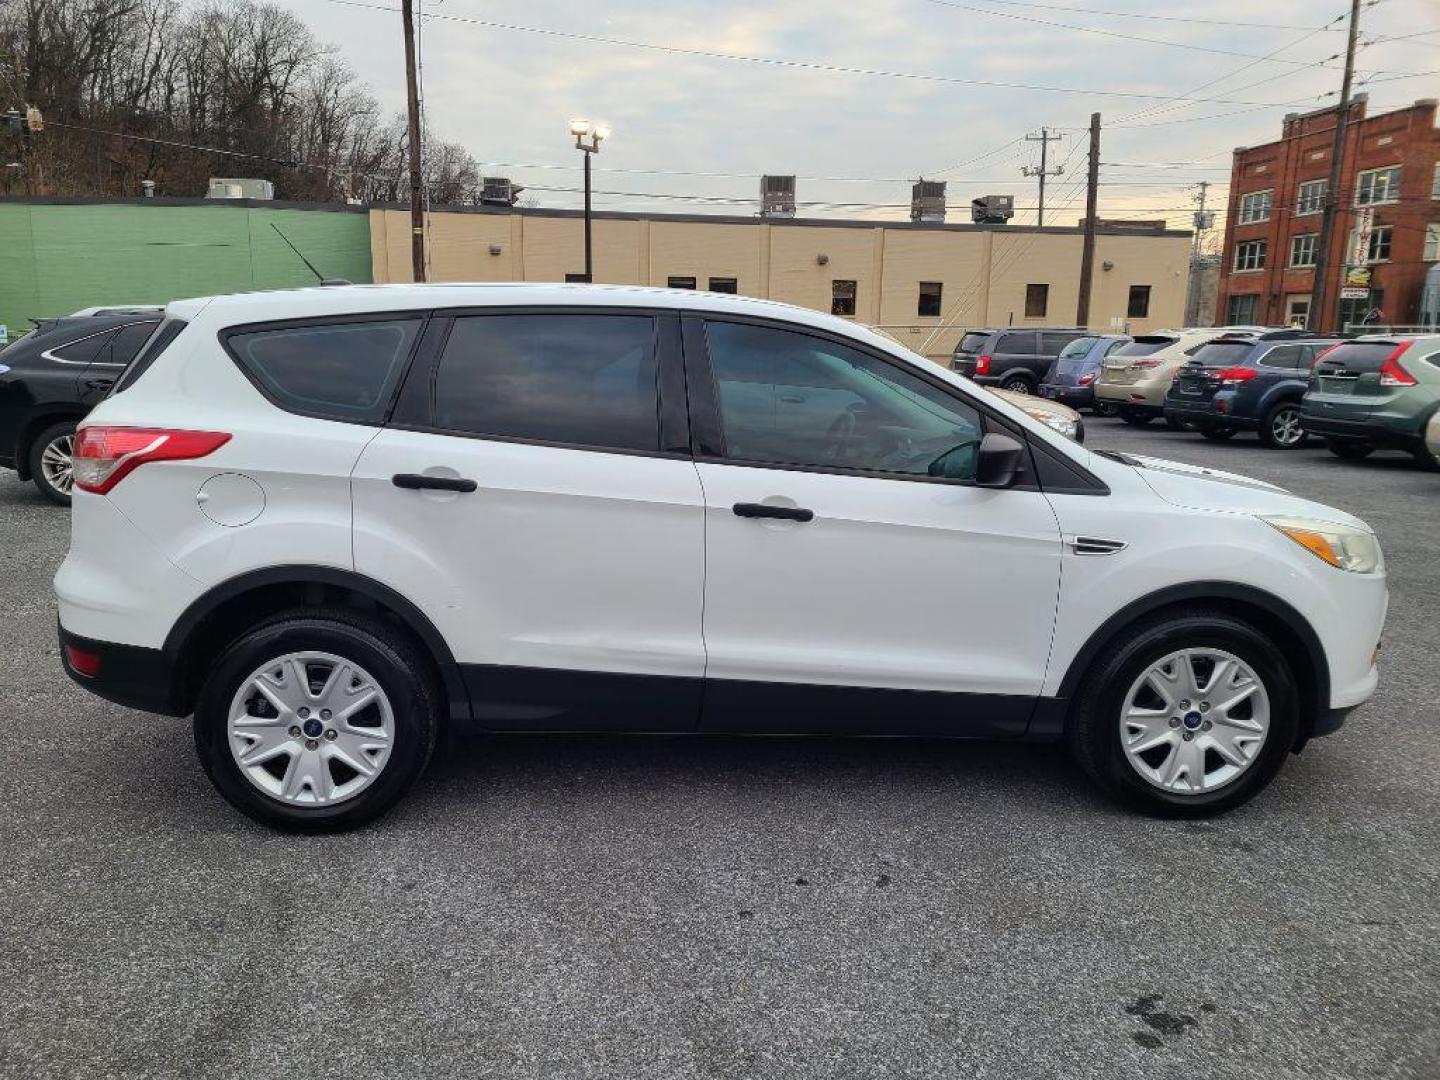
(1154, 18)
(806, 65)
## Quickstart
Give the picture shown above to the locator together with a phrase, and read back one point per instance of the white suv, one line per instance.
(333, 521)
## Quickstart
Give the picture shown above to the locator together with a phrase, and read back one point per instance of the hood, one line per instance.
(1198, 488)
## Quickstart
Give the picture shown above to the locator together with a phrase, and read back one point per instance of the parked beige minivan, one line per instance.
(1135, 377)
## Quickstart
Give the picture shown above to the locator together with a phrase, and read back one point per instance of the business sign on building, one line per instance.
(1352, 292)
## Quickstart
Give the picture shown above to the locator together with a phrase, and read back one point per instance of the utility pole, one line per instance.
(1203, 220)
(1087, 252)
(417, 200)
(1044, 139)
(1315, 317)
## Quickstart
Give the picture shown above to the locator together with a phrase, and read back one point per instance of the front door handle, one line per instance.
(419, 481)
(764, 510)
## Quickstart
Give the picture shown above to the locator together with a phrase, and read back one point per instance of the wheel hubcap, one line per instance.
(311, 728)
(55, 463)
(1195, 721)
(1286, 428)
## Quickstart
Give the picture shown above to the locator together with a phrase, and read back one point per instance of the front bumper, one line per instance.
(128, 675)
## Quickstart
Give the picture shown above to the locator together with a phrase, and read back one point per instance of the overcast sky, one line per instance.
(507, 94)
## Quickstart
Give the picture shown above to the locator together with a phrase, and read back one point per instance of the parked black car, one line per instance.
(50, 378)
(1012, 358)
(1241, 382)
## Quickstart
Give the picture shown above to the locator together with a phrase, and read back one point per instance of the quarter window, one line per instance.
(1254, 207)
(126, 343)
(1284, 356)
(928, 305)
(584, 380)
(82, 351)
(1139, 305)
(842, 297)
(1310, 197)
(791, 399)
(339, 371)
(1250, 255)
(1377, 186)
(1302, 249)
(1037, 300)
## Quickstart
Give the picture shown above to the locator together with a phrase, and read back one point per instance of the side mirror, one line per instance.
(1001, 458)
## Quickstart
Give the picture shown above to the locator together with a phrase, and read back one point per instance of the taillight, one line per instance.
(1236, 374)
(1086, 379)
(1146, 364)
(982, 366)
(103, 456)
(82, 661)
(1391, 373)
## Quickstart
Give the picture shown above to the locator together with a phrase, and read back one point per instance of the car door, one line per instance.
(107, 364)
(534, 495)
(855, 578)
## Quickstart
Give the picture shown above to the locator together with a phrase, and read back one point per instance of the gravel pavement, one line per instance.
(631, 908)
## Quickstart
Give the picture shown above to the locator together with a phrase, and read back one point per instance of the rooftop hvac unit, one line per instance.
(927, 201)
(777, 196)
(222, 187)
(499, 191)
(992, 209)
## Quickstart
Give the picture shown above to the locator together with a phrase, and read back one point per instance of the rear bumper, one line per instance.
(1362, 430)
(1140, 395)
(1077, 397)
(128, 675)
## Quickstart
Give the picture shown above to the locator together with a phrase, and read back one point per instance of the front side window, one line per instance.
(1302, 249)
(1254, 207)
(1139, 305)
(788, 398)
(1037, 300)
(339, 371)
(1250, 255)
(1310, 197)
(583, 380)
(1378, 186)
(842, 297)
(928, 305)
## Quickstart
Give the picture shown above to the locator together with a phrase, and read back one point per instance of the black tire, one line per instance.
(403, 671)
(64, 429)
(1174, 423)
(1093, 732)
(1018, 384)
(1425, 459)
(1349, 451)
(1268, 435)
(1102, 408)
(1138, 417)
(1218, 433)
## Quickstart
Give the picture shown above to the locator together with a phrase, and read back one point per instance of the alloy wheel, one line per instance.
(1285, 427)
(1195, 721)
(56, 463)
(310, 728)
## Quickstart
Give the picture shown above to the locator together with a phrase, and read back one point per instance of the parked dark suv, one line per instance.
(49, 380)
(1242, 383)
(1009, 357)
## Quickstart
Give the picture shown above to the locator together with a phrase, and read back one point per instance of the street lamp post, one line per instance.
(588, 138)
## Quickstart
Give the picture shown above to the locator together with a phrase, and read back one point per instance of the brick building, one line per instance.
(1387, 221)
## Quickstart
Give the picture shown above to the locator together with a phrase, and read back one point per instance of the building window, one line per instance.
(1379, 248)
(576, 279)
(1432, 243)
(842, 297)
(1369, 309)
(929, 304)
(1435, 184)
(1139, 306)
(1240, 311)
(1250, 255)
(1310, 198)
(1378, 186)
(724, 285)
(1254, 207)
(680, 283)
(1037, 300)
(1302, 249)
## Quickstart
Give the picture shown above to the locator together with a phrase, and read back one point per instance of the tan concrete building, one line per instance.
(924, 283)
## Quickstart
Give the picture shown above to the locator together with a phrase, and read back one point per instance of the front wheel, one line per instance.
(1281, 428)
(317, 721)
(1349, 451)
(50, 461)
(1189, 714)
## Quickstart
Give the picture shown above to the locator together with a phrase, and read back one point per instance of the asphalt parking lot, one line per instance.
(701, 907)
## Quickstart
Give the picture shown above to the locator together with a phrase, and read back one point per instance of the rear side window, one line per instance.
(1143, 346)
(149, 350)
(82, 351)
(1222, 353)
(583, 380)
(1052, 344)
(1016, 344)
(126, 343)
(336, 371)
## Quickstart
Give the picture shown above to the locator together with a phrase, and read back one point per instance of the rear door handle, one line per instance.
(419, 481)
(763, 510)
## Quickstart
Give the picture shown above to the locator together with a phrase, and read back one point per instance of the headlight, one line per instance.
(1341, 546)
(1063, 424)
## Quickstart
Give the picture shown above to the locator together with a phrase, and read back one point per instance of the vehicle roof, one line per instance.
(1004, 329)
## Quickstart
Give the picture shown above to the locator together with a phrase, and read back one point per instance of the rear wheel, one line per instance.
(50, 461)
(1102, 408)
(1281, 428)
(1218, 432)
(1017, 384)
(1132, 415)
(1192, 713)
(317, 721)
(1426, 459)
(1349, 451)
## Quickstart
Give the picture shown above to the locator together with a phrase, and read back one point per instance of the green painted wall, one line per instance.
(55, 259)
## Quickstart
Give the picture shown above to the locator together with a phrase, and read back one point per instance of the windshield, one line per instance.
(1077, 348)
(1222, 353)
(1144, 346)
